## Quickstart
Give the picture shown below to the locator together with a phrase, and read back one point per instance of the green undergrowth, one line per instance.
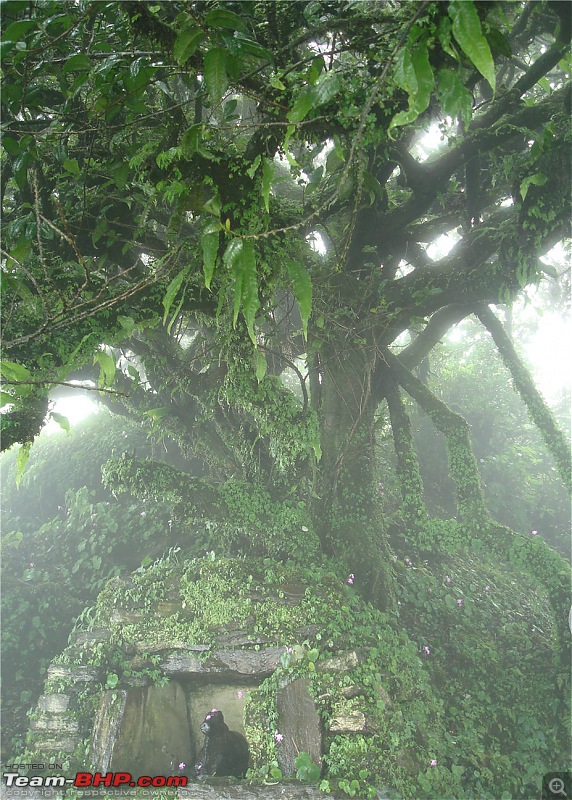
(457, 697)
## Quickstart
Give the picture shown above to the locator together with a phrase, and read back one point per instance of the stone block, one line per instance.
(53, 744)
(106, 726)
(54, 723)
(94, 636)
(73, 673)
(299, 724)
(342, 663)
(54, 703)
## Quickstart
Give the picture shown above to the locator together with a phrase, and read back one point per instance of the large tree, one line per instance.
(202, 198)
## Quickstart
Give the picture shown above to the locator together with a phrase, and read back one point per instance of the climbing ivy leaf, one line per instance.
(302, 286)
(468, 33)
(216, 77)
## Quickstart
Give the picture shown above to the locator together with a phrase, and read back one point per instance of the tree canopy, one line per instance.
(169, 169)
(226, 218)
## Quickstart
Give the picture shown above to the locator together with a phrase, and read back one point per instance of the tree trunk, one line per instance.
(350, 520)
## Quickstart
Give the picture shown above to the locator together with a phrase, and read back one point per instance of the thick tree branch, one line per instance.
(471, 506)
(540, 414)
(433, 332)
(410, 481)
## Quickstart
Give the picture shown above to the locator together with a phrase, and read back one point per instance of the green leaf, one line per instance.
(14, 372)
(77, 63)
(325, 88)
(11, 146)
(212, 206)
(71, 165)
(17, 30)
(112, 680)
(538, 179)
(22, 460)
(498, 42)
(404, 74)
(549, 270)
(191, 140)
(120, 173)
(267, 176)
(216, 77)
(210, 243)
(414, 73)
(106, 368)
(172, 291)
(62, 421)
(302, 105)
(316, 447)
(156, 413)
(128, 325)
(186, 43)
(444, 34)
(251, 171)
(249, 47)
(424, 76)
(239, 256)
(249, 282)
(221, 18)
(456, 100)
(302, 286)
(261, 366)
(5, 398)
(468, 33)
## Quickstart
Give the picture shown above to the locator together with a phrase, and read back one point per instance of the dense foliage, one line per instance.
(207, 200)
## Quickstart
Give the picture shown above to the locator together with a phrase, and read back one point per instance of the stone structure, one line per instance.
(149, 709)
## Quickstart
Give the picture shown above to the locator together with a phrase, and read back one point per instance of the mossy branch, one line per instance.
(471, 506)
(540, 414)
(407, 462)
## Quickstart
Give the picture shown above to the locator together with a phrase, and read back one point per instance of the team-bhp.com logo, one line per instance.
(93, 780)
